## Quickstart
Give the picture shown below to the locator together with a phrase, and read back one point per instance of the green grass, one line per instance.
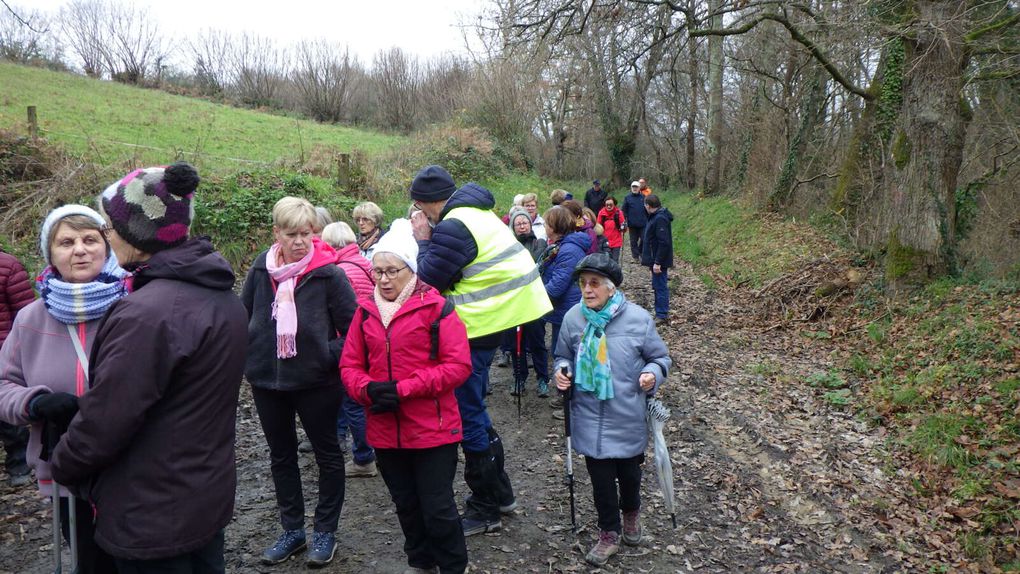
(116, 125)
(719, 236)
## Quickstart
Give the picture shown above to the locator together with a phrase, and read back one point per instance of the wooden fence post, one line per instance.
(343, 170)
(33, 123)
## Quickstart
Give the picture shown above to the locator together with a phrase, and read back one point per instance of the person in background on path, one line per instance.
(595, 197)
(369, 219)
(530, 202)
(322, 218)
(477, 263)
(558, 196)
(657, 254)
(41, 375)
(358, 271)
(299, 305)
(567, 246)
(152, 445)
(636, 217)
(616, 359)
(532, 332)
(584, 223)
(403, 359)
(643, 186)
(613, 225)
(15, 294)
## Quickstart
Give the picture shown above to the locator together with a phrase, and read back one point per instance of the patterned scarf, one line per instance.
(284, 307)
(387, 309)
(367, 241)
(594, 373)
(72, 303)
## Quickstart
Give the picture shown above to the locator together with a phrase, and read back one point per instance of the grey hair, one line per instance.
(324, 217)
(338, 234)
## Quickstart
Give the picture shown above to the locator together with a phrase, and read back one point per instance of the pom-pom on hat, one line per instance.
(399, 241)
(432, 183)
(151, 208)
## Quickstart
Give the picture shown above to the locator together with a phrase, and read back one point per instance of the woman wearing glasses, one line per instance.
(369, 219)
(299, 305)
(406, 352)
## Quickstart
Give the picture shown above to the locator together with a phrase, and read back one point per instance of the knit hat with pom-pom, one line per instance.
(151, 208)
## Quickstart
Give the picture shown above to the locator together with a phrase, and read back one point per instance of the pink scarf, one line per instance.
(387, 309)
(284, 308)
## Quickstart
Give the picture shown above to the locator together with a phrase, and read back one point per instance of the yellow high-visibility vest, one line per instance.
(502, 287)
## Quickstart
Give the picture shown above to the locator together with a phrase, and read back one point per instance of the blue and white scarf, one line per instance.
(594, 372)
(72, 303)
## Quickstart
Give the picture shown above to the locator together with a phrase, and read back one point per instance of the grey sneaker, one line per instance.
(608, 544)
(305, 446)
(474, 526)
(632, 528)
(416, 570)
(355, 470)
(556, 402)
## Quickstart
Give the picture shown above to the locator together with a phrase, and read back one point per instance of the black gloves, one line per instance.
(383, 395)
(57, 408)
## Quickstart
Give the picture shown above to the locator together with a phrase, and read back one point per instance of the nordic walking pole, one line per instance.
(518, 368)
(570, 450)
(56, 527)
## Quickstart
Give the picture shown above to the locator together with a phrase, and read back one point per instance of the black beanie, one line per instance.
(433, 183)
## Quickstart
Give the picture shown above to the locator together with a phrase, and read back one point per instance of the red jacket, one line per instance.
(428, 416)
(611, 229)
(15, 292)
(357, 269)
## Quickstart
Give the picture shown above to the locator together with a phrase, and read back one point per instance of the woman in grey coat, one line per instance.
(611, 350)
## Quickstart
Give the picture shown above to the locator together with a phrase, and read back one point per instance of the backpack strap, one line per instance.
(448, 307)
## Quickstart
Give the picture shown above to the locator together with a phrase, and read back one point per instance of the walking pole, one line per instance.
(56, 527)
(570, 451)
(52, 436)
(72, 523)
(518, 377)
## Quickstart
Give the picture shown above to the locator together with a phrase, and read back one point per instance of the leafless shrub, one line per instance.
(324, 76)
(259, 70)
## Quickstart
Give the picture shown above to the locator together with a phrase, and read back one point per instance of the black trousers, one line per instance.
(421, 486)
(15, 441)
(485, 474)
(206, 560)
(318, 408)
(605, 473)
(91, 558)
(635, 234)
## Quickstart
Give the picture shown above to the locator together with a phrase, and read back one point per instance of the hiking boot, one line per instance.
(503, 359)
(416, 570)
(288, 544)
(558, 415)
(19, 475)
(557, 402)
(355, 470)
(543, 388)
(474, 526)
(660, 321)
(632, 528)
(304, 446)
(608, 544)
(323, 549)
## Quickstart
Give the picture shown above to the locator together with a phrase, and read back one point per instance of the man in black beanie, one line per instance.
(466, 252)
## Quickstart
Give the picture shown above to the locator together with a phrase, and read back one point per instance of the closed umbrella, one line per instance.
(658, 414)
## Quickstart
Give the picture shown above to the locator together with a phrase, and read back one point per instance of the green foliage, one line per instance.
(830, 379)
(935, 438)
(901, 150)
(901, 261)
(838, 397)
(115, 124)
(890, 96)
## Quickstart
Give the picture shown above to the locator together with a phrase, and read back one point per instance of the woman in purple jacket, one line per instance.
(41, 372)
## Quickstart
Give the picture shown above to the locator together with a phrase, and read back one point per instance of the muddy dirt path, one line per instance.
(768, 477)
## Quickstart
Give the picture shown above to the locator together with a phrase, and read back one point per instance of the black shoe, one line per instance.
(474, 526)
(288, 544)
(323, 549)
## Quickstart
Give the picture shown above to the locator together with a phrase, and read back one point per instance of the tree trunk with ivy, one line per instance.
(927, 148)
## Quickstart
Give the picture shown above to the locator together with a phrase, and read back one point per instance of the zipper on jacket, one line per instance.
(602, 419)
(389, 369)
(439, 413)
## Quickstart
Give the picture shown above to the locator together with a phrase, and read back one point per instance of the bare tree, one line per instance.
(258, 72)
(323, 77)
(211, 55)
(22, 35)
(137, 49)
(396, 79)
(83, 24)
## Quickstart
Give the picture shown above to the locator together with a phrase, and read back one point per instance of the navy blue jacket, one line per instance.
(634, 210)
(556, 274)
(442, 258)
(658, 240)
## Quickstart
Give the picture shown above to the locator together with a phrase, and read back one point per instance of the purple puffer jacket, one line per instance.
(15, 292)
(37, 357)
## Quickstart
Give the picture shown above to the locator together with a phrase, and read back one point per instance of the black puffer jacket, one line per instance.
(153, 444)
(325, 306)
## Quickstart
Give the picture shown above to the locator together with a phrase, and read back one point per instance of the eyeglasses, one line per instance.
(390, 273)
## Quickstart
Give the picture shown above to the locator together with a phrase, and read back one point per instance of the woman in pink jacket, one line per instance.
(405, 354)
(44, 361)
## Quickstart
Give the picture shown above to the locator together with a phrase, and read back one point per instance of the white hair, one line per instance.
(338, 234)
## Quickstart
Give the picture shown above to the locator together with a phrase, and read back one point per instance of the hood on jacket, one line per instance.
(194, 261)
(662, 212)
(469, 195)
(578, 238)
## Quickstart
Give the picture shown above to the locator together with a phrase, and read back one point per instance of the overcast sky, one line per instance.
(422, 27)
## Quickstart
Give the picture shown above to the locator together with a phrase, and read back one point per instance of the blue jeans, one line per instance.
(352, 416)
(471, 402)
(660, 284)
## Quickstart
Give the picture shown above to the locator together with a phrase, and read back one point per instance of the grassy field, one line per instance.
(117, 125)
